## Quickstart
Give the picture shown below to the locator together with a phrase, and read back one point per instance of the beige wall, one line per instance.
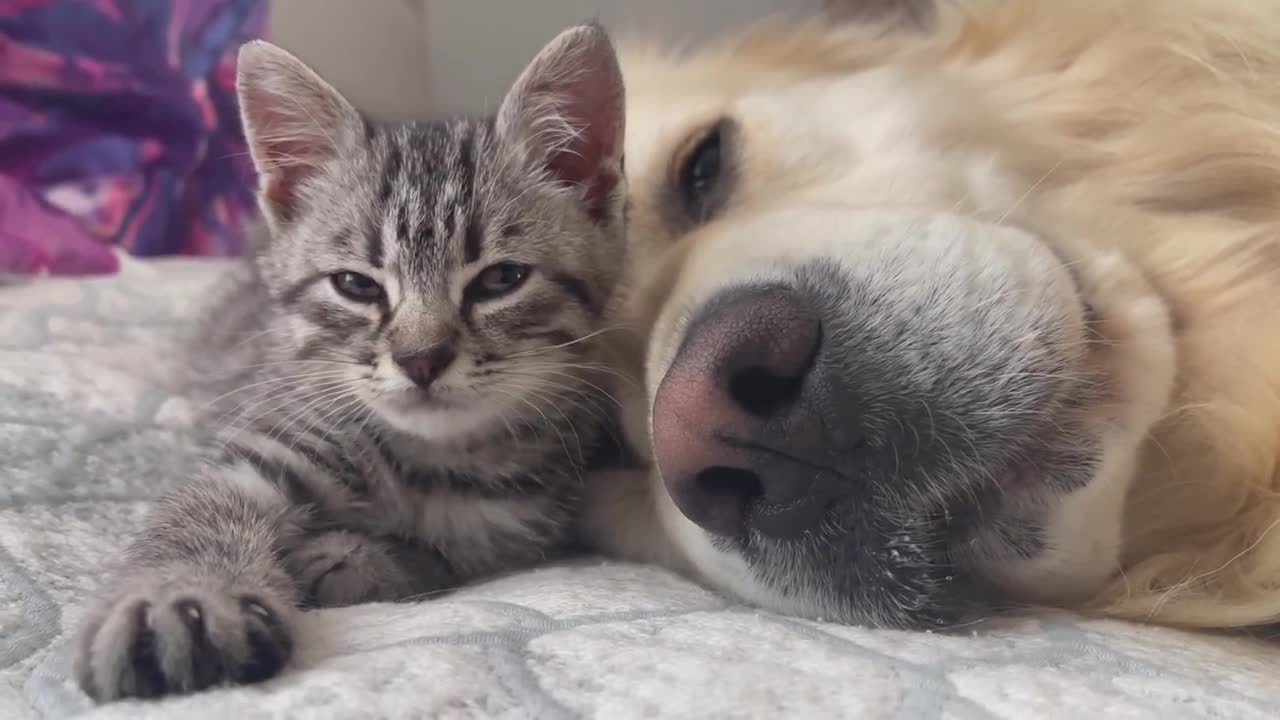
(372, 50)
(478, 46)
(403, 59)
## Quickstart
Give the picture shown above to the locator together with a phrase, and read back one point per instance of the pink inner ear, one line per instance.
(291, 136)
(280, 193)
(592, 102)
(288, 152)
(587, 171)
(284, 165)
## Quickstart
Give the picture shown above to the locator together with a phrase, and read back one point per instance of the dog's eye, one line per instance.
(699, 177)
(357, 287)
(701, 171)
(497, 280)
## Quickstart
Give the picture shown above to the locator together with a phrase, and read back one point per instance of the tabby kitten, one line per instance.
(419, 406)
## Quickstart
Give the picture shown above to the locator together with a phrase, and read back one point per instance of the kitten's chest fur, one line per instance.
(490, 501)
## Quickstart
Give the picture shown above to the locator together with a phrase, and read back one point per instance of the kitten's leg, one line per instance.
(338, 567)
(202, 597)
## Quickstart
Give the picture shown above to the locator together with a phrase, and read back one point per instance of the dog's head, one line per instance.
(897, 373)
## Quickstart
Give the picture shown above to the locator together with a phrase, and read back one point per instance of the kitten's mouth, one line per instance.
(434, 415)
(415, 400)
(418, 399)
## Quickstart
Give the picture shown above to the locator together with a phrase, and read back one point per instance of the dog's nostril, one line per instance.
(717, 498)
(763, 393)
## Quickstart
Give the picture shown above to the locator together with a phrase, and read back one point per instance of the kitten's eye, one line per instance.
(699, 175)
(357, 287)
(497, 280)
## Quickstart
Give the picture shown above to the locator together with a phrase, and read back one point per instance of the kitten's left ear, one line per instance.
(567, 111)
(294, 122)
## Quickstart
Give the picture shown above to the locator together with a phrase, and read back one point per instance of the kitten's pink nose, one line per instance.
(424, 367)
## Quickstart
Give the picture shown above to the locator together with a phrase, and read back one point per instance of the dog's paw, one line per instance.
(162, 638)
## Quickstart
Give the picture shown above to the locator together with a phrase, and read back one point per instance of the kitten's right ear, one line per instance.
(566, 110)
(294, 123)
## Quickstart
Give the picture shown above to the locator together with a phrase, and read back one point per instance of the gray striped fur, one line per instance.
(328, 479)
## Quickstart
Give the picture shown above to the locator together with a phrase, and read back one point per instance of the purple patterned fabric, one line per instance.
(118, 127)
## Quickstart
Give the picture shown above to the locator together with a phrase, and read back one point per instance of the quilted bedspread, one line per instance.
(92, 425)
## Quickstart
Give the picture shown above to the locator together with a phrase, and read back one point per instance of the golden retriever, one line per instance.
(964, 308)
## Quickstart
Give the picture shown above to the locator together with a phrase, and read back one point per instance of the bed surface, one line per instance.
(90, 428)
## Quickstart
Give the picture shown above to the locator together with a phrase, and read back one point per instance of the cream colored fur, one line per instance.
(1138, 139)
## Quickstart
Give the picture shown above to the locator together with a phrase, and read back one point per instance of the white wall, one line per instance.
(402, 59)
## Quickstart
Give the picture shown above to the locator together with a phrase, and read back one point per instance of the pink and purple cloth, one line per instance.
(119, 130)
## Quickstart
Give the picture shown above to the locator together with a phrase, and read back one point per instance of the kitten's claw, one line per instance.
(175, 638)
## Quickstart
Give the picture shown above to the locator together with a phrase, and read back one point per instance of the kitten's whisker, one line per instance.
(281, 363)
(586, 404)
(538, 395)
(506, 421)
(287, 423)
(550, 424)
(251, 337)
(245, 421)
(247, 413)
(335, 418)
(283, 391)
(310, 401)
(536, 362)
(586, 382)
(347, 360)
(368, 415)
(541, 375)
(575, 341)
(576, 467)
(588, 368)
(274, 381)
(323, 414)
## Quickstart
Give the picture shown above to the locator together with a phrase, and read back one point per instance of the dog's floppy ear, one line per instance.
(294, 123)
(912, 14)
(566, 112)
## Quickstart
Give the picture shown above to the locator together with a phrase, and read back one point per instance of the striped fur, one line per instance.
(332, 476)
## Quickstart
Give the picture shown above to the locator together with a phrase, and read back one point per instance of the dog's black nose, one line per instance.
(734, 431)
(423, 368)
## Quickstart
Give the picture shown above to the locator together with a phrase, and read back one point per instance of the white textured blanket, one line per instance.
(90, 427)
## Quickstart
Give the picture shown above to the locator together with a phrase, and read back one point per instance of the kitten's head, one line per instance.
(456, 265)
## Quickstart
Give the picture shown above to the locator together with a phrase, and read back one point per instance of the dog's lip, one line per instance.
(755, 447)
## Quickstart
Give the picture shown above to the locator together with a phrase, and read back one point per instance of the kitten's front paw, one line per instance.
(171, 638)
